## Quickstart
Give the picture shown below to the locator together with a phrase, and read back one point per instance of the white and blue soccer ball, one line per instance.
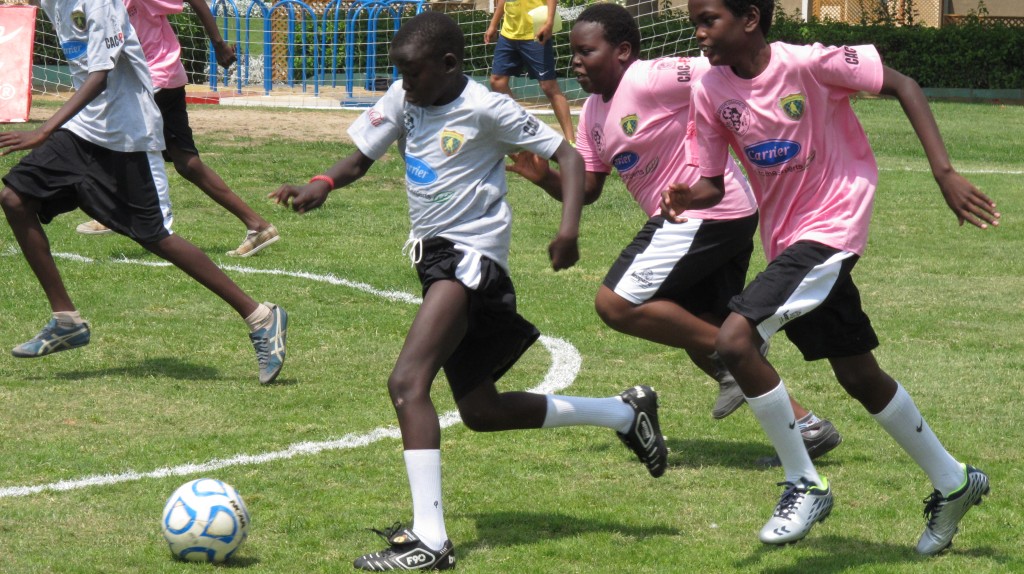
(205, 520)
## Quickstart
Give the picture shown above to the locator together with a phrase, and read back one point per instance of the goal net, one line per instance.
(335, 53)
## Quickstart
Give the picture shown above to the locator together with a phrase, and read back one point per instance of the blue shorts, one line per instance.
(511, 56)
(808, 292)
(497, 335)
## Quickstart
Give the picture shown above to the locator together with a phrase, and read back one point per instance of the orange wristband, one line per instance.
(324, 178)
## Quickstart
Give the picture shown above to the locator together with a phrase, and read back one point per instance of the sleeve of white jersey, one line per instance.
(107, 24)
(377, 128)
(518, 128)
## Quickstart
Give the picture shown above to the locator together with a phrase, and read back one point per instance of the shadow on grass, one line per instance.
(169, 367)
(523, 528)
(848, 554)
(697, 453)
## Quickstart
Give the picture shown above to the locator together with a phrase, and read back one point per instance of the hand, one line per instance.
(544, 35)
(564, 252)
(21, 140)
(489, 34)
(225, 54)
(674, 201)
(304, 198)
(529, 165)
(967, 202)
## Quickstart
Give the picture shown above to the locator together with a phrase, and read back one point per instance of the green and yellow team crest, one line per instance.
(451, 142)
(793, 105)
(78, 19)
(629, 124)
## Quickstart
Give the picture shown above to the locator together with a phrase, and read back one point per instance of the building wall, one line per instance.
(994, 7)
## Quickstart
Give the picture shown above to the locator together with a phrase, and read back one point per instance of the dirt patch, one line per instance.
(259, 124)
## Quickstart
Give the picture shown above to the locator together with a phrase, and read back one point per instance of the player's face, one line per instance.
(597, 63)
(720, 34)
(427, 80)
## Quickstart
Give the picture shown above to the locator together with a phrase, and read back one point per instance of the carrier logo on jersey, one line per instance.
(451, 142)
(73, 49)
(625, 161)
(735, 115)
(794, 105)
(78, 19)
(418, 172)
(772, 152)
(629, 124)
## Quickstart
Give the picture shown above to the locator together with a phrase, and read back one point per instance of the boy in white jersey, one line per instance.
(163, 54)
(785, 111)
(454, 135)
(101, 152)
(671, 285)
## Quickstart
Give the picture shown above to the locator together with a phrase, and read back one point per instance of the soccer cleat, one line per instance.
(799, 508)
(644, 434)
(269, 343)
(52, 339)
(255, 241)
(93, 228)
(944, 513)
(406, 552)
(730, 397)
(819, 438)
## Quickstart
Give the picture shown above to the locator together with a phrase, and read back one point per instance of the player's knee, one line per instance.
(404, 390)
(732, 344)
(11, 201)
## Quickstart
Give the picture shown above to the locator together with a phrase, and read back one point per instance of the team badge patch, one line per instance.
(451, 142)
(78, 19)
(629, 124)
(794, 106)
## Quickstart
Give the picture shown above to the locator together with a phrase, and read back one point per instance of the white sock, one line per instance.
(901, 419)
(424, 470)
(608, 412)
(68, 318)
(808, 420)
(775, 413)
(260, 318)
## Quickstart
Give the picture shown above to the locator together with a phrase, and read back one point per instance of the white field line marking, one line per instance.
(565, 365)
(960, 171)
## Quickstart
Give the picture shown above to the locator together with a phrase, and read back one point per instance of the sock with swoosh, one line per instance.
(775, 413)
(901, 419)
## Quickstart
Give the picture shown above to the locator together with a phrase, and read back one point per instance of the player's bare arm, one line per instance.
(963, 198)
(563, 249)
(312, 195)
(537, 171)
(679, 197)
(93, 86)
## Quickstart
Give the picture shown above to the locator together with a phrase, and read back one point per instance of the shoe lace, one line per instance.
(790, 498)
(414, 249)
(388, 533)
(932, 506)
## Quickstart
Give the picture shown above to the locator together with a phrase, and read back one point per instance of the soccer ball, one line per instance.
(205, 520)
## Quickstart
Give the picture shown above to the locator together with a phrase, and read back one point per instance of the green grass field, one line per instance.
(170, 380)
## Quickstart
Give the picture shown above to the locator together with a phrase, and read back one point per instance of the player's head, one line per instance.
(428, 51)
(725, 29)
(605, 40)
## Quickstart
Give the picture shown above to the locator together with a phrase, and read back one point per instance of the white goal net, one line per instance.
(335, 53)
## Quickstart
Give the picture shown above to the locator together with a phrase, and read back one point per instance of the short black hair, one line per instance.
(619, 25)
(765, 7)
(434, 33)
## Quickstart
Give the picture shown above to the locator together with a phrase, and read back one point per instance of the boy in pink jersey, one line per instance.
(671, 285)
(163, 54)
(785, 111)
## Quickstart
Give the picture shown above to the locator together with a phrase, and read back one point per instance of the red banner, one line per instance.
(17, 34)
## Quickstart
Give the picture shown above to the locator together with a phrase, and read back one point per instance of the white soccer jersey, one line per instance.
(455, 161)
(95, 35)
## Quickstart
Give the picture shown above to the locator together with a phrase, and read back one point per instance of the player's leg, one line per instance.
(957, 487)
(182, 150)
(507, 62)
(436, 331)
(540, 62)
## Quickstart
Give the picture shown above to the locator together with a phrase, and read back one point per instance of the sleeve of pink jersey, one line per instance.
(855, 68)
(712, 145)
(591, 161)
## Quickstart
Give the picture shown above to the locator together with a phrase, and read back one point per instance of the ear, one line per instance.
(752, 19)
(451, 63)
(624, 52)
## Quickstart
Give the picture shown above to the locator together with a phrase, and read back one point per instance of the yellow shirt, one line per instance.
(517, 24)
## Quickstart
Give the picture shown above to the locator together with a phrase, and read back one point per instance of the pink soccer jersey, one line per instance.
(806, 155)
(642, 132)
(163, 52)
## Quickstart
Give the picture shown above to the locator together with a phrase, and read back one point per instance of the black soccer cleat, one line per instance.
(406, 552)
(644, 435)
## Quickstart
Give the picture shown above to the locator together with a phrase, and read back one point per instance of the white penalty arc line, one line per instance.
(565, 365)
